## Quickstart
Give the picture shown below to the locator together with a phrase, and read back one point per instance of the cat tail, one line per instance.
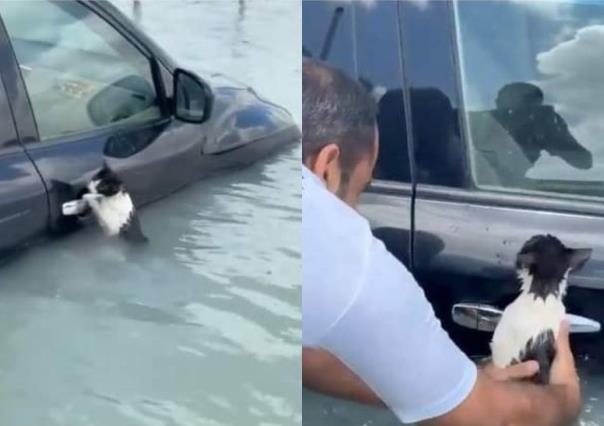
(543, 350)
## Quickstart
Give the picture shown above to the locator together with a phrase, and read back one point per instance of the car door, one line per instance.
(516, 153)
(23, 202)
(94, 94)
(364, 41)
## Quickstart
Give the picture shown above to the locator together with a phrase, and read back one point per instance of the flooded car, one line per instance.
(83, 85)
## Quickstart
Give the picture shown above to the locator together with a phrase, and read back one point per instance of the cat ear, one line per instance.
(577, 258)
(525, 260)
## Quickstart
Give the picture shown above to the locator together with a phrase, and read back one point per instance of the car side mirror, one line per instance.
(193, 97)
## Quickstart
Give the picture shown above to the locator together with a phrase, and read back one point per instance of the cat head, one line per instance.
(544, 263)
(106, 182)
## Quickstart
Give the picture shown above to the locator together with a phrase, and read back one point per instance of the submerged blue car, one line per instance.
(81, 85)
(490, 123)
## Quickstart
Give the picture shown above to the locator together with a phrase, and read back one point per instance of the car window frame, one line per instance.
(27, 123)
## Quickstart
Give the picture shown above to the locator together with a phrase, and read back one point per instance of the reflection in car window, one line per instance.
(8, 136)
(79, 72)
(433, 93)
(380, 70)
(532, 91)
(327, 33)
(362, 39)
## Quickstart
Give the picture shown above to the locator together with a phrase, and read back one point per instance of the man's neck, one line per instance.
(308, 173)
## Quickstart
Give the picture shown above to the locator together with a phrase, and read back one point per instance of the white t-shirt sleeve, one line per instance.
(390, 337)
(362, 305)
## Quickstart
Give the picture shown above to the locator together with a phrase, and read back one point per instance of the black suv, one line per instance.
(491, 122)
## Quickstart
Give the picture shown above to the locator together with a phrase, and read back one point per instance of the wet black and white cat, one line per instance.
(112, 206)
(529, 325)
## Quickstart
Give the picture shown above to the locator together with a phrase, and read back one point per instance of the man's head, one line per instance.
(340, 141)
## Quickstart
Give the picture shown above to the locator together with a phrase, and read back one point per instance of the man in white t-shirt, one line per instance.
(369, 334)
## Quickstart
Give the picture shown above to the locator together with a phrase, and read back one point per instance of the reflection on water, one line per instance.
(202, 327)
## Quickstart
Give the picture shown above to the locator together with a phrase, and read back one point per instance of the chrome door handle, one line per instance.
(579, 324)
(483, 317)
(476, 316)
(74, 207)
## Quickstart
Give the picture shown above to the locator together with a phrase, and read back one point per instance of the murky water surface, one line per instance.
(203, 326)
(319, 410)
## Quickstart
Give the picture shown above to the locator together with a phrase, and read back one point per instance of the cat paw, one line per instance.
(92, 197)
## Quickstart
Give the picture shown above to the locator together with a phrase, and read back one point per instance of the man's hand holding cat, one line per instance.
(563, 375)
(521, 371)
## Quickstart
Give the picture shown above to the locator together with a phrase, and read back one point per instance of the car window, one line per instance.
(379, 62)
(431, 70)
(80, 73)
(362, 39)
(327, 33)
(8, 135)
(532, 89)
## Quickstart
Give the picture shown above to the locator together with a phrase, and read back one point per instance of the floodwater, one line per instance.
(202, 327)
(319, 410)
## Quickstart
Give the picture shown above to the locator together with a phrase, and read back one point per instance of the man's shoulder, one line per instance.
(324, 210)
(341, 259)
(336, 245)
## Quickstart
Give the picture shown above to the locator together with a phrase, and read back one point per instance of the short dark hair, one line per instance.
(336, 109)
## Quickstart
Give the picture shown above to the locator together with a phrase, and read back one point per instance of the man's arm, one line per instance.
(322, 372)
(511, 403)
(522, 404)
(496, 399)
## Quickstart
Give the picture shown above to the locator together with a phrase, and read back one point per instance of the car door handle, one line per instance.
(74, 207)
(483, 317)
(476, 316)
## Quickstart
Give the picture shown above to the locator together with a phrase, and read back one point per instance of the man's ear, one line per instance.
(326, 165)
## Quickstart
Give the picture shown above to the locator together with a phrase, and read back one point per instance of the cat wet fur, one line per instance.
(529, 325)
(112, 206)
